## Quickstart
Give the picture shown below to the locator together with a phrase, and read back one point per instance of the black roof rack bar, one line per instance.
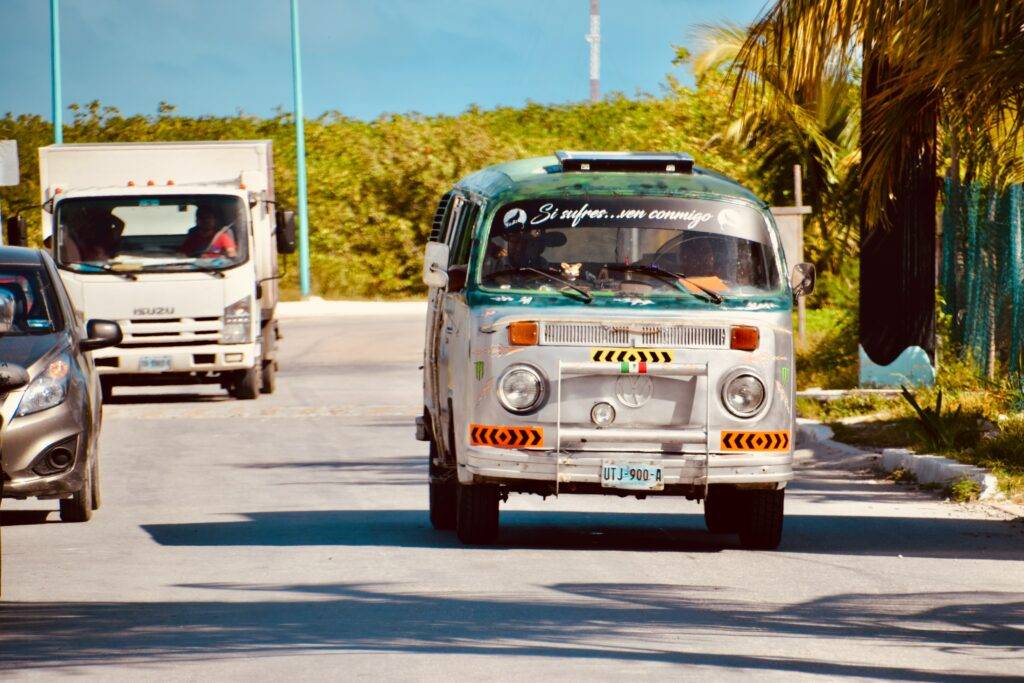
(636, 162)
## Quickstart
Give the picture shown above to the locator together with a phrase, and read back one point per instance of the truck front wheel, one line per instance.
(761, 525)
(477, 519)
(248, 382)
(722, 509)
(443, 493)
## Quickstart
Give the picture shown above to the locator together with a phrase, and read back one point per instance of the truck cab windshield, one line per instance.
(164, 233)
(633, 246)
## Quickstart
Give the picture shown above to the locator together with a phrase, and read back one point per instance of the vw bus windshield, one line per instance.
(638, 245)
(158, 233)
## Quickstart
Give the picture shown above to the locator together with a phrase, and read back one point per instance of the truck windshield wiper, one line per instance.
(669, 276)
(215, 272)
(587, 296)
(106, 268)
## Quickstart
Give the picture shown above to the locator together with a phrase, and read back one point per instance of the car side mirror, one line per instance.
(16, 231)
(285, 231)
(100, 334)
(435, 264)
(12, 377)
(457, 279)
(802, 279)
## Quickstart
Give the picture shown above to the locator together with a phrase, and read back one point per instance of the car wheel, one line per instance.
(722, 509)
(761, 526)
(96, 497)
(443, 493)
(477, 518)
(78, 508)
(247, 384)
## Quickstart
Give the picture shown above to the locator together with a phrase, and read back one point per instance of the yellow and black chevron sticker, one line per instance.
(755, 441)
(632, 355)
(506, 437)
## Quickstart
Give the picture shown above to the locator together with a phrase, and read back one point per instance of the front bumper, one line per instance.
(498, 464)
(183, 359)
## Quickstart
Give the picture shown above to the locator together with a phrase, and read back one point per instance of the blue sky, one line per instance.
(360, 57)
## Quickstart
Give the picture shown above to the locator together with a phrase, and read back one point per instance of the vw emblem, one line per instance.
(633, 391)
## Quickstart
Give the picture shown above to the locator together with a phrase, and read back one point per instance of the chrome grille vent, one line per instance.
(651, 335)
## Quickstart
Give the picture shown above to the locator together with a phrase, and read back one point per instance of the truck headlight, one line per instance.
(49, 389)
(521, 388)
(237, 322)
(743, 395)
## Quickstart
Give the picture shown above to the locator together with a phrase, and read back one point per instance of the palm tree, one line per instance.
(961, 61)
(817, 128)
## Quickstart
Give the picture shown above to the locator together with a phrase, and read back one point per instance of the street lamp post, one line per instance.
(300, 153)
(55, 95)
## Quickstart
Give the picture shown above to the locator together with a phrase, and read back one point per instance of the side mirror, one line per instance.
(285, 232)
(435, 264)
(16, 231)
(100, 334)
(802, 279)
(12, 377)
(457, 279)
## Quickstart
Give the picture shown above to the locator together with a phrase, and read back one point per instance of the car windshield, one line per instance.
(632, 246)
(35, 305)
(158, 233)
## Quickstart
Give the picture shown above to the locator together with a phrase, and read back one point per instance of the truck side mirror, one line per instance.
(16, 230)
(285, 231)
(802, 279)
(100, 334)
(435, 264)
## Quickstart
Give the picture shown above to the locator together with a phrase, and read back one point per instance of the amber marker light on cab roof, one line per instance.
(523, 333)
(744, 338)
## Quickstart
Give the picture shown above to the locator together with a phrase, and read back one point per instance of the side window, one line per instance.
(451, 224)
(463, 237)
(440, 214)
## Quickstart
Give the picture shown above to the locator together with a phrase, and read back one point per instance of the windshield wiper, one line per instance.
(215, 272)
(587, 296)
(669, 276)
(106, 268)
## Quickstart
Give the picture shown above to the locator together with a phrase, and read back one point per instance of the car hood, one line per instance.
(25, 350)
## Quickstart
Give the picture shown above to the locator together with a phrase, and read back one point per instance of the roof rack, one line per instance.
(637, 162)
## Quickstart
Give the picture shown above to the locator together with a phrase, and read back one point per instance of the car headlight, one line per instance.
(49, 388)
(521, 388)
(743, 395)
(237, 322)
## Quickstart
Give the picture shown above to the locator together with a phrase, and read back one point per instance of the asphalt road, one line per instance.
(287, 538)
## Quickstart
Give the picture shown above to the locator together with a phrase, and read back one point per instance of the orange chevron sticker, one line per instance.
(499, 436)
(755, 441)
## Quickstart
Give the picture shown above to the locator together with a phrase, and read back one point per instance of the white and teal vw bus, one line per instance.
(608, 323)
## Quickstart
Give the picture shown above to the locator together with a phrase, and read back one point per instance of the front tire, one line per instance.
(247, 384)
(477, 519)
(761, 527)
(78, 508)
(444, 503)
(722, 509)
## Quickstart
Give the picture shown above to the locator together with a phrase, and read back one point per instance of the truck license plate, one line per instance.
(154, 364)
(628, 475)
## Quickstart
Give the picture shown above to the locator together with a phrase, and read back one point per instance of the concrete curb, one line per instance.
(934, 469)
(319, 308)
(927, 469)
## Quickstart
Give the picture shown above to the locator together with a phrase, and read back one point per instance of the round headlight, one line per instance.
(520, 388)
(743, 395)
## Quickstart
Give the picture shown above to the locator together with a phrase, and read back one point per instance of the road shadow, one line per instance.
(393, 471)
(27, 517)
(651, 622)
(816, 534)
(176, 397)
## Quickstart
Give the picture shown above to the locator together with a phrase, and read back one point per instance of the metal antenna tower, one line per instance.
(594, 38)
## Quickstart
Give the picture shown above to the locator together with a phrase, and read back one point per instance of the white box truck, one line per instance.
(178, 242)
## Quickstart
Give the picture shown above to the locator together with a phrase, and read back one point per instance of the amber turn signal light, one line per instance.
(523, 333)
(744, 338)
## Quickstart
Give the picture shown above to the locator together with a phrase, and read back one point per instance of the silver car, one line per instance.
(608, 324)
(51, 424)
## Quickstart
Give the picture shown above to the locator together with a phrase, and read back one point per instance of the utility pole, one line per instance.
(300, 153)
(55, 95)
(594, 38)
